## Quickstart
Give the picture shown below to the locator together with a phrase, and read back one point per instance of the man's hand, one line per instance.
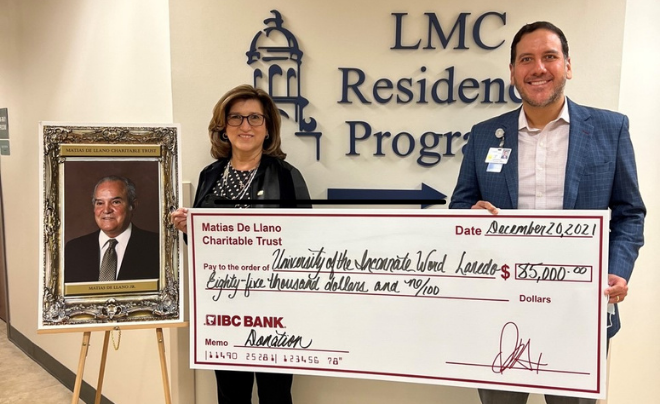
(618, 289)
(486, 205)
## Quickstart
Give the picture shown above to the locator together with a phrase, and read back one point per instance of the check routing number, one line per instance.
(462, 298)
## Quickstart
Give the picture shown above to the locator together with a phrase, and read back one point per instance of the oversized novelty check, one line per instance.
(463, 298)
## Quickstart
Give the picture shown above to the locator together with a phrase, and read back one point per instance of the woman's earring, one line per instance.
(223, 135)
(267, 135)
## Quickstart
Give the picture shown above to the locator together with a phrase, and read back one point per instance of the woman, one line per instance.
(245, 140)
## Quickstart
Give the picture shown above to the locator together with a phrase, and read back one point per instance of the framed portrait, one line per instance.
(109, 254)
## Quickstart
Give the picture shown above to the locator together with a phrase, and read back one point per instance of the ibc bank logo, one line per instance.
(224, 320)
(277, 59)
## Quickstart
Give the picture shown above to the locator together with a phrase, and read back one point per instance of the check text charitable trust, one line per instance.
(241, 240)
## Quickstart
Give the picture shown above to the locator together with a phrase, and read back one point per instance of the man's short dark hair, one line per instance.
(533, 27)
(131, 193)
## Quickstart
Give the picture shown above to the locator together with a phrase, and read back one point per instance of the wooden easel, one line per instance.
(85, 347)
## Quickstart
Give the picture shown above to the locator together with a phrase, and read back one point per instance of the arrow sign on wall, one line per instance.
(426, 196)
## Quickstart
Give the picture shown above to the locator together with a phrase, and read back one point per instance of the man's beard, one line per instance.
(556, 94)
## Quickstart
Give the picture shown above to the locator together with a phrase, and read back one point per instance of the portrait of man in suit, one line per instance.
(118, 250)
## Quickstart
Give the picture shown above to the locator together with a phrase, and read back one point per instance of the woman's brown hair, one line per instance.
(220, 147)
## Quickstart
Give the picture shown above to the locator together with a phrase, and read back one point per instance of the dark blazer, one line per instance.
(275, 179)
(141, 258)
(600, 174)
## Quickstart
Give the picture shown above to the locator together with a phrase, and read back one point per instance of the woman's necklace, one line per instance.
(235, 184)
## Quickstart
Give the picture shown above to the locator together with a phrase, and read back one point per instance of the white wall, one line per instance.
(78, 60)
(357, 34)
(635, 351)
(210, 38)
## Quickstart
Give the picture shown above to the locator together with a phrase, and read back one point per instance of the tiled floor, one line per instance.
(22, 381)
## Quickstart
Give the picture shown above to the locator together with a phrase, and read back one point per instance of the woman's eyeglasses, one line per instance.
(253, 119)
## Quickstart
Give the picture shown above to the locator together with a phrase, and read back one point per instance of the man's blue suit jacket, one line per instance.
(600, 174)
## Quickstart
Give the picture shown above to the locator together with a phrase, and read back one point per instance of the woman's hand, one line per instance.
(179, 219)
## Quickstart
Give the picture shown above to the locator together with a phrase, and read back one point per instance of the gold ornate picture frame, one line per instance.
(74, 161)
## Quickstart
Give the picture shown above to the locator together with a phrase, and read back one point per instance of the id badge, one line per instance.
(498, 155)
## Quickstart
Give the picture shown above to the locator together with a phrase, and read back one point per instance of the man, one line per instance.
(119, 250)
(563, 156)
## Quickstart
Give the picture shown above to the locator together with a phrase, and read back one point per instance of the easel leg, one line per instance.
(163, 364)
(104, 356)
(81, 367)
